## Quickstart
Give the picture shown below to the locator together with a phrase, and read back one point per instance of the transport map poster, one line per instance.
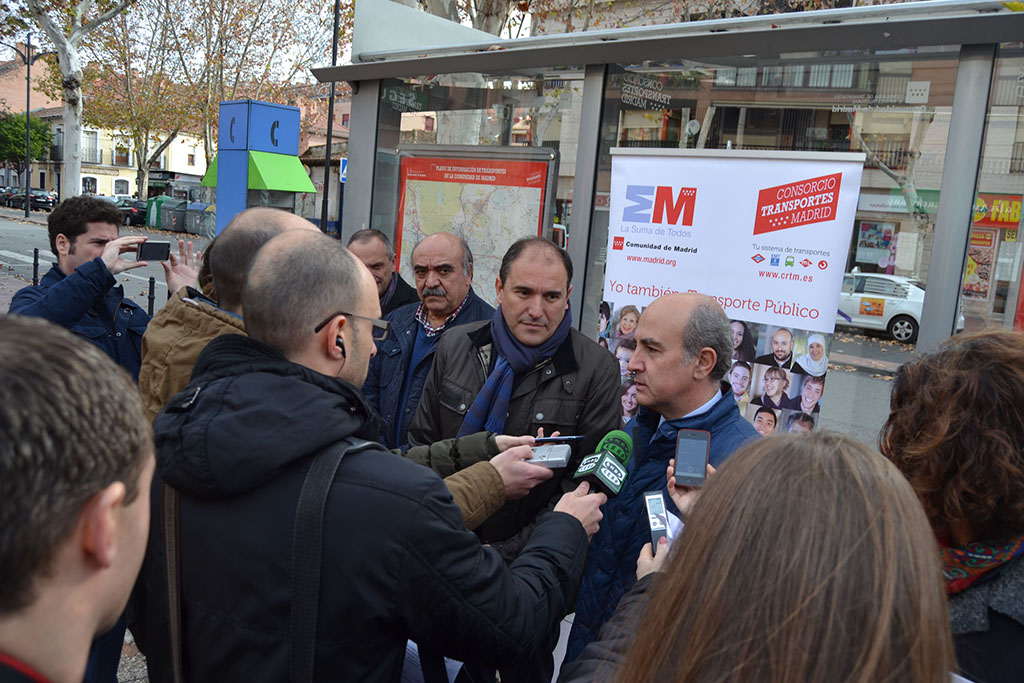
(764, 233)
(489, 202)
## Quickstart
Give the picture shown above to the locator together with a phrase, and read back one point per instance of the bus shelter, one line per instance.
(931, 94)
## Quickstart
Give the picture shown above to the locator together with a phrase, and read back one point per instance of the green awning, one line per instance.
(269, 171)
(210, 178)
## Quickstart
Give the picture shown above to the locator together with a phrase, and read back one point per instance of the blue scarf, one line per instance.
(514, 359)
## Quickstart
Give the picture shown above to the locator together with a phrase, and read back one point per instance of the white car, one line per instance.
(877, 301)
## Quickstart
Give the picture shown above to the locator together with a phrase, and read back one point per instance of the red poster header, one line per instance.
(801, 203)
(477, 172)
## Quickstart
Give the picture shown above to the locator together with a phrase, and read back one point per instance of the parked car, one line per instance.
(40, 199)
(8, 192)
(877, 301)
(133, 211)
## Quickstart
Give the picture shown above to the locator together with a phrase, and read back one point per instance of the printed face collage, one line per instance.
(777, 374)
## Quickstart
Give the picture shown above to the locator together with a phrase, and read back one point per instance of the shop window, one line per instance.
(89, 185)
(120, 186)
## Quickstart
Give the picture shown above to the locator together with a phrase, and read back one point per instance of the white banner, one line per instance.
(765, 233)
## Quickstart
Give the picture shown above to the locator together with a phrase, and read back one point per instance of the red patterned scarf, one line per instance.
(965, 565)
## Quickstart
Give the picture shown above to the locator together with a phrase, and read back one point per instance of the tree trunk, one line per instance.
(70, 64)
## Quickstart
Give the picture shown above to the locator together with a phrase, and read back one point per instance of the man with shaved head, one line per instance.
(683, 351)
(255, 431)
(443, 266)
(188, 322)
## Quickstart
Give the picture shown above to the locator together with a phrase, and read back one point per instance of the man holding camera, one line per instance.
(81, 292)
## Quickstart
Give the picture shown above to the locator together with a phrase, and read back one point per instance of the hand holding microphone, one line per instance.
(587, 509)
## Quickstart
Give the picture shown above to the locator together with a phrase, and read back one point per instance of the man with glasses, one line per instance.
(443, 266)
(238, 445)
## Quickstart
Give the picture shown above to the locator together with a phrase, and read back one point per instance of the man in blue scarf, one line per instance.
(524, 369)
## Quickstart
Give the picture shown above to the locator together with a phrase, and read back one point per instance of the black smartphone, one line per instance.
(657, 517)
(152, 250)
(557, 439)
(693, 446)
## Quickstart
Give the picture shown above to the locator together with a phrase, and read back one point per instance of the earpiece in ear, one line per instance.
(341, 345)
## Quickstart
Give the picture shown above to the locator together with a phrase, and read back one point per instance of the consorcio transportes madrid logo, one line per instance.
(800, 203)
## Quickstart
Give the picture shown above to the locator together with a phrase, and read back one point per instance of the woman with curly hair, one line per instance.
(806, 559)
(956, 431)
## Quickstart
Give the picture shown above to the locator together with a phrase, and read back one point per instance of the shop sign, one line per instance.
(404, 99)
(997, 210)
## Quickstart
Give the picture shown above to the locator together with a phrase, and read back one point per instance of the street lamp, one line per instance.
(27, 57)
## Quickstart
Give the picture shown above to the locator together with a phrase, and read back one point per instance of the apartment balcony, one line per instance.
(92, 155)
(56, 153)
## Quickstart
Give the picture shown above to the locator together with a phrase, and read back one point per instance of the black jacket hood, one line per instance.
(243, 418)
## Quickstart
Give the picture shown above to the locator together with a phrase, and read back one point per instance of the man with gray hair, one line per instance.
(374, 249)
(443, 267)
(683, 352)
(246, 441)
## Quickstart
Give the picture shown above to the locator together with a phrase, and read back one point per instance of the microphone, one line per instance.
(606, 469)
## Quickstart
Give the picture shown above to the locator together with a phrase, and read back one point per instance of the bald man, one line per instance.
(188, 322)
(683, 352)
(443, 267)
(247, 441)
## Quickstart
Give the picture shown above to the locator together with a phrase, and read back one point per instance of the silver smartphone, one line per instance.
(692, 449)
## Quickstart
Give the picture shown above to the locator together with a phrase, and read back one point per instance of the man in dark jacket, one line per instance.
(76, 459)
(523, 370)
(684, 346)
(81, 292)
(374, 249)
(237, 444)
(443, 266)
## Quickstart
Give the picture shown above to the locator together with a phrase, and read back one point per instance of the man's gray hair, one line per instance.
(467, 255)
(297, 280)
(708, 326)
(367, 234)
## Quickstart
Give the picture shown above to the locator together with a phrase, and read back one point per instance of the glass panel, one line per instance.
(990, 296)
(894, 106)
(490, 157)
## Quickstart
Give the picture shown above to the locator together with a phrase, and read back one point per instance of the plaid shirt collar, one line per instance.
(423, 319)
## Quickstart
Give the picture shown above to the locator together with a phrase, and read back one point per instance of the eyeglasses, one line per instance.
(380, 327)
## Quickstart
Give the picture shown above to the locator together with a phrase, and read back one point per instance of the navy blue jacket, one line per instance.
(88, 303)
(383, 386)
(611, 562)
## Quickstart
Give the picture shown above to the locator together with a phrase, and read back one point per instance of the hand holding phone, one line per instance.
(154, 250)
(657, 517)
(693, 448)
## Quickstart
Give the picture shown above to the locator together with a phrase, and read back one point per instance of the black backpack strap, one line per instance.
(307, 548)
(171, 560)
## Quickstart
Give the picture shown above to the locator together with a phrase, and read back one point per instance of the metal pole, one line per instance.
(956, 193)
(152, 295)
(330, 129)
(28, 129)
(584, 190)
(35, 267)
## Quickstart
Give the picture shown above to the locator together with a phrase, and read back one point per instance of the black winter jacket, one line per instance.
(397, 563)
